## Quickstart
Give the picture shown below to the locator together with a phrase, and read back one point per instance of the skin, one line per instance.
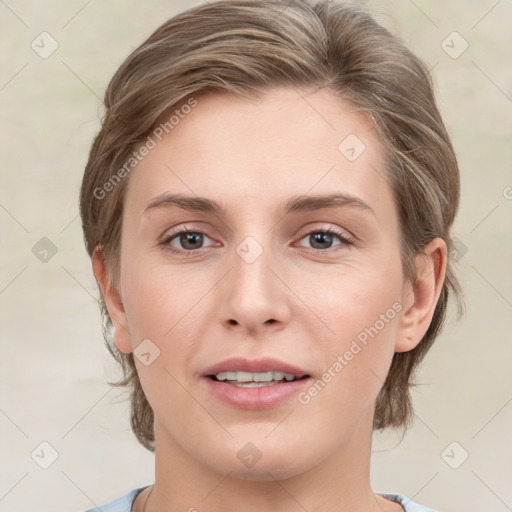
(202, 309)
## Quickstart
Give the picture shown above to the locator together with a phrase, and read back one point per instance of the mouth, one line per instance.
(256, 379)
(255, 384)
(265, 371)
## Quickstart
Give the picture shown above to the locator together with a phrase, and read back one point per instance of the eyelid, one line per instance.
(346, 239)
(167, 237)
(344, 233)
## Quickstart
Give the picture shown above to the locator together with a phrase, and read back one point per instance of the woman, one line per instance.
(268, 208)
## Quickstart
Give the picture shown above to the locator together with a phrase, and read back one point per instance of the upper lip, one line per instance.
(265, 364)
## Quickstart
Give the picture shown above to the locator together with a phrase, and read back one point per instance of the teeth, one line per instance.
(255, 377)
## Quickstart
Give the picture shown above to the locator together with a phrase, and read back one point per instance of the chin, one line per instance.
(261, 472)
(261, 459)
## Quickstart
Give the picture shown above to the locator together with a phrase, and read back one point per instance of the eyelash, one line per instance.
(345, 241)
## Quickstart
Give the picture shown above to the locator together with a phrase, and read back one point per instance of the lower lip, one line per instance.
(264, 397)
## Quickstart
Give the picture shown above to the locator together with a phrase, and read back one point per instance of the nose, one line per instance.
(254, 297)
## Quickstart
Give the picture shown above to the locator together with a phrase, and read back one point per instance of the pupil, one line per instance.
(190, 237)
(321, 237)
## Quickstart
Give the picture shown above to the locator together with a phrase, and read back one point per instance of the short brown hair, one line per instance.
(244, 48)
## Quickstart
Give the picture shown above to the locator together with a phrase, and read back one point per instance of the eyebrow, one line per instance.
(294, 204)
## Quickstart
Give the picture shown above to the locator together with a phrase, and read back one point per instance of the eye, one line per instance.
(322, 239)
(187, 241)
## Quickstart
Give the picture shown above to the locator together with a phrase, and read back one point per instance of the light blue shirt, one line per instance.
(124, 503)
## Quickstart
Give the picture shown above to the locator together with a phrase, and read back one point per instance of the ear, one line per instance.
(113, 301)
(420, 300)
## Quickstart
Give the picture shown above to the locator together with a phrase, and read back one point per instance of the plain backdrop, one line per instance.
(54, 366)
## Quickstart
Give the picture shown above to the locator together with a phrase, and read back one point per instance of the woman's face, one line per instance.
(256, 278)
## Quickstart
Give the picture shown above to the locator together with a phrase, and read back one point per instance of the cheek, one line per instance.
(171, 308)
(165, 307)
(360, 311)
(160, 298)
(347, 300)
(362, 308)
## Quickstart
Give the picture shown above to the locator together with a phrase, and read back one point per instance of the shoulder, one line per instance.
(121, 504)
(406, 502)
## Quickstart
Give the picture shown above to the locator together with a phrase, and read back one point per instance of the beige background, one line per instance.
(54, 366)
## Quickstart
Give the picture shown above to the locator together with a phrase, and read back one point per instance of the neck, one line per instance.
(340, 482)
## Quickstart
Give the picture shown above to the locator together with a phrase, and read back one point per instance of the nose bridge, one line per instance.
(253, 296)
(252, 277)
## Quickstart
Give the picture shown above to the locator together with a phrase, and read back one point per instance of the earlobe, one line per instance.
(113, 301)
(421, 299)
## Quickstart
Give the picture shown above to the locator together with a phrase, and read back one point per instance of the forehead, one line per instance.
(288, 143)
